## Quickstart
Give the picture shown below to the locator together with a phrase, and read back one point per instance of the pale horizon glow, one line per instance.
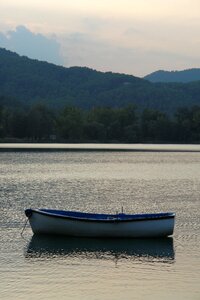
(128, 36)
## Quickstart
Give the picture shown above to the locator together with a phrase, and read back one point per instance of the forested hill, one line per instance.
(31, 81)
(174, 76)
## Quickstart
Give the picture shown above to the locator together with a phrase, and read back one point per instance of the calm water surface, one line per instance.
(69, 268)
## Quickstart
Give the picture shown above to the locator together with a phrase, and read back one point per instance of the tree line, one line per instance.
(39, 123)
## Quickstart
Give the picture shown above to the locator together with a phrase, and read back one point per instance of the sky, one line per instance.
(135, 37)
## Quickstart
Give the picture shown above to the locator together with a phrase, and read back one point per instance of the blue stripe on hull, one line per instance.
(99, 217)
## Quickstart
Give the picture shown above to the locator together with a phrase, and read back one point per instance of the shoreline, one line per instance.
(50, 147)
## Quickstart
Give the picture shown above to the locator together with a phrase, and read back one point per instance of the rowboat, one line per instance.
(81, 224)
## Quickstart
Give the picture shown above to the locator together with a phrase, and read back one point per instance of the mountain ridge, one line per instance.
(31, 81)
(183, 76)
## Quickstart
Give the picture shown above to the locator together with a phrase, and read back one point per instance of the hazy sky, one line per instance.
(127, 36)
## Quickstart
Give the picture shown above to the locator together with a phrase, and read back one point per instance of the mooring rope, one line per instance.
(25, 223)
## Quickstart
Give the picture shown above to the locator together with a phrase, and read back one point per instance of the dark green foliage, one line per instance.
(1, 122)
(32, 81)
(40, 122)
(188, 124)
(18, 124)
(95, 132)
(35, 124)
(70, 124)
(155, 126)
(43, 102)
(100, 125)
(112, 124)
(174, 76)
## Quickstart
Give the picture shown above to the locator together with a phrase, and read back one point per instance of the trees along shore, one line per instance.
(39, 123)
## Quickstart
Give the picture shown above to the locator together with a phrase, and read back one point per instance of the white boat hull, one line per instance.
(47, 224)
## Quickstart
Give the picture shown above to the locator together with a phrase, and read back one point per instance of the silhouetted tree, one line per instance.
(70, 123)
(155, 126)
(40, 122)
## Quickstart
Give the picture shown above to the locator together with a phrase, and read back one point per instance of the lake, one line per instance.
(147, 179)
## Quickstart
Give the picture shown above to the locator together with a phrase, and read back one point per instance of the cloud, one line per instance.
(36, 46)
(101, 54)
(131, 31)
(132, 36)
(95, 24)
(135, 49)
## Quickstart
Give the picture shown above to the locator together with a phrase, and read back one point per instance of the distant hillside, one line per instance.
(174, 76)
(30, 81)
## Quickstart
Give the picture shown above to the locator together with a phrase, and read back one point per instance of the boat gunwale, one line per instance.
(117, 218)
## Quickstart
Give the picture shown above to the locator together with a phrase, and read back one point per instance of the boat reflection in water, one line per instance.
(161, 250)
